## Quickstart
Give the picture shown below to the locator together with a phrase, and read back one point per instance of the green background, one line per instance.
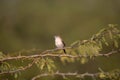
(33, 23)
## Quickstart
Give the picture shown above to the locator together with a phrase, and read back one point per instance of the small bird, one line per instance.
(59, 43)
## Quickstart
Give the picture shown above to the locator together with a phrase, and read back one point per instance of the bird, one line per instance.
(59, 43)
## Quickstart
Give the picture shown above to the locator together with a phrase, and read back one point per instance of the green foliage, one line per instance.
(1, 55)
(107, 36)
(112, 75)
(5, 67)
(45, 64)
(66, 59)
(90, 48)
(102, 75)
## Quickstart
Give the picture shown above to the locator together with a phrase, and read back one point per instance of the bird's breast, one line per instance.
(58, 43)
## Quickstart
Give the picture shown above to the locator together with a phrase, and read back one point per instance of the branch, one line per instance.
(46, 54)
(78, 75)
(66, 74)
(19, 69)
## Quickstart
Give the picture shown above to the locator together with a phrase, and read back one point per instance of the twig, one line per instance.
(19, 69)
(44, 52)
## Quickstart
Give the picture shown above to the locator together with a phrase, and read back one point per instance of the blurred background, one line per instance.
(26, 24)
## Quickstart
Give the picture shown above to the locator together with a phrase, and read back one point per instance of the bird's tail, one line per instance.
(64, 51)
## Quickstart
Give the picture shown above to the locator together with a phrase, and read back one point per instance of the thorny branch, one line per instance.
(82, 75)
(48, 54)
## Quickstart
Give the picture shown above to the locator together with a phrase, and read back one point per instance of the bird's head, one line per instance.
(56, 36)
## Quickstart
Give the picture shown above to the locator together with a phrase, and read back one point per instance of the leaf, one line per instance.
(15, 75)
(42, 66)
(93, 37)
(50, 64)
(110, 34)
(53, 66)
(102, 75)
(84, 60)
(40, 63)
(104, 40)
(100, 44)
(48, 67)
(82, 50)
(111, 25)
(116, 43)
(102, 30)
(1, 55)
(75, 43)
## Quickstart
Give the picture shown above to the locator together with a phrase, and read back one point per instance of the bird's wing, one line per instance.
(63, 43)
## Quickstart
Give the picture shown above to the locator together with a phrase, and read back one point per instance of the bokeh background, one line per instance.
(33, 23)
(26, 24)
